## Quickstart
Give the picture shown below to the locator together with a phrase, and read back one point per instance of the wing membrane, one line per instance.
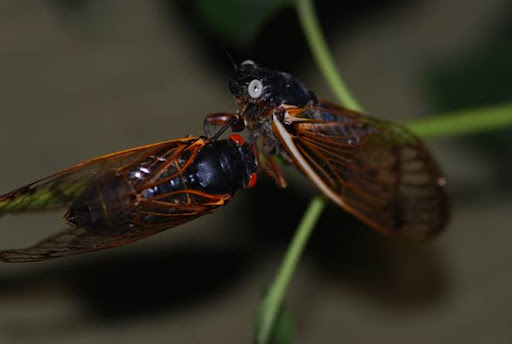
(59, 190)
(377, 170)
(79, 240)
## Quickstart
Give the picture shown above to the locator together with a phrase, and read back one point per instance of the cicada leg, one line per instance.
(223, 119)
(276, 173)
(270, 166)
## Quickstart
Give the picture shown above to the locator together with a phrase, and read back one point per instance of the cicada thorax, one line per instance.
(164, 187)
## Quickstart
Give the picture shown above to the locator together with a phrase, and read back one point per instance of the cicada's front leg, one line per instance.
(224, 120)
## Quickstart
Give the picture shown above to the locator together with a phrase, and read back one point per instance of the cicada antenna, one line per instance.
(230, 57)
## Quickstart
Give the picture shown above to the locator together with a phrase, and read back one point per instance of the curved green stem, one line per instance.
(272, 302)
(322, 55)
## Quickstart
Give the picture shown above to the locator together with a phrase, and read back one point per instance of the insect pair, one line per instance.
(377, 170)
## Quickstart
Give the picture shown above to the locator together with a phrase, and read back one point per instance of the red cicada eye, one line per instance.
(252, 180)
(239, 140)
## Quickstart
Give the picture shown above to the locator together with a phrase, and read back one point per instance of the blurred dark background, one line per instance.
(82, 78)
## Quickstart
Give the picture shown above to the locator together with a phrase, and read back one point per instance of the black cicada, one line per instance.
(376, 170)
(122, 197)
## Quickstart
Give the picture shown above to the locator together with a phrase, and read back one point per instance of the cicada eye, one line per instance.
(248, 62)
(255, 89)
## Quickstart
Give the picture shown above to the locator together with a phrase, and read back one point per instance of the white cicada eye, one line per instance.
(255, 89)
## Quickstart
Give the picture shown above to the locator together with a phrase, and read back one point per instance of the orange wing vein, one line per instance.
(377, 170)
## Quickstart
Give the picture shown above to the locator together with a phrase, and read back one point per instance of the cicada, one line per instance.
(377, 170)
(122, 197)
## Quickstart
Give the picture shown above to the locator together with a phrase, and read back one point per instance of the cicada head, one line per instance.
(266, 88)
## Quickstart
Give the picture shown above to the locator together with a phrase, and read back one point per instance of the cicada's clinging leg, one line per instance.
(224, 119)
(276, 174)
(270, 166)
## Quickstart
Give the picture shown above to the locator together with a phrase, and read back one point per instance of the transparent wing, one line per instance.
(79, 240)
(60, 189)
(377, 170)
(68, 242)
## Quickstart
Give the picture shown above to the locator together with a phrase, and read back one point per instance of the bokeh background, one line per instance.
(80, 78)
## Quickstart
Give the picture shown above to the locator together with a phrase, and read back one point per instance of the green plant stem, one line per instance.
(324, 60)
(273, 300)
(461, 122)
(464, 121)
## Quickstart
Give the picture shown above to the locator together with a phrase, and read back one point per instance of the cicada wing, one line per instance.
(377, 170)
(68, 242)
(73, 241)
(59, 190)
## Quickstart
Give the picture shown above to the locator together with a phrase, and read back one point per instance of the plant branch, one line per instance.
(272, 302)
(320, 50)
(466, 121)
